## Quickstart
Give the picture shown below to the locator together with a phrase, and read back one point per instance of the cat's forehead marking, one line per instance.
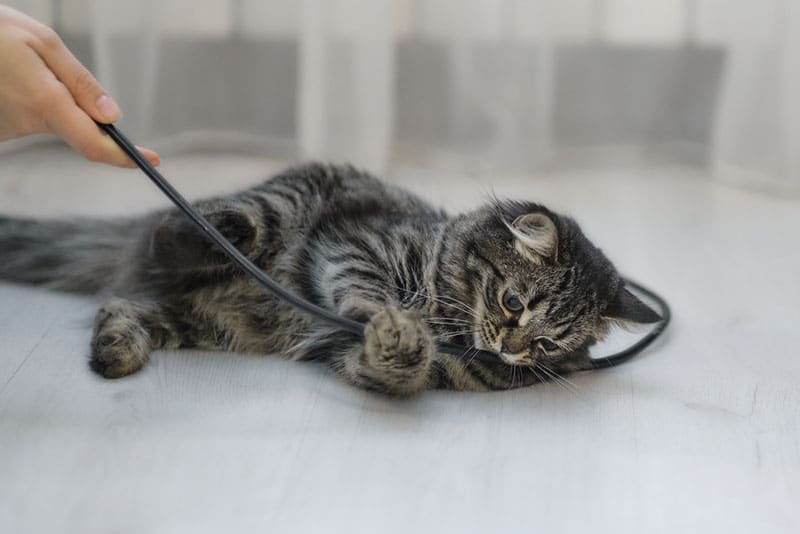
(525, 318)
(519, 268)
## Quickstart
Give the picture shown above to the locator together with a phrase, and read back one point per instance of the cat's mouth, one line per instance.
(524, 358)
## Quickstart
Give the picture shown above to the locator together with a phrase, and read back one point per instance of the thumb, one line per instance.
(85, 89)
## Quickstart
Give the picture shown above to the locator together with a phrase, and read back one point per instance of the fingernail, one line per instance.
(151, 156)
(108, 108)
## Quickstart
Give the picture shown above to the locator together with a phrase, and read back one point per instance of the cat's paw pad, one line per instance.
(120, 345)
(398, 339)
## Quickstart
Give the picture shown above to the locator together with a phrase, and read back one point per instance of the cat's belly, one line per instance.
(241, 316)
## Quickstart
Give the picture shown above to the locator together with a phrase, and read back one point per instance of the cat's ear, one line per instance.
(627, 307)
(536, 233)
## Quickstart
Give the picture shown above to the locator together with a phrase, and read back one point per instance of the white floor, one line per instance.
(700, 434)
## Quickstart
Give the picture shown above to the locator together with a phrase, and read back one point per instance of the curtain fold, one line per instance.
(497, 85)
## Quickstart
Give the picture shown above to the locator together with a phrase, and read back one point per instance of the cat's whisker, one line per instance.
(459, 329)
(451, 328)
(561, 377)
(457, 332)
(444, 300)
(445, 339)
(472, 352)
(558, 379)
(441, 299)
(418, 292)
(446, 320)
(538, 376)
(448, 327)
(466, 311)
(466, 306)
(513, 376)
(553, 379)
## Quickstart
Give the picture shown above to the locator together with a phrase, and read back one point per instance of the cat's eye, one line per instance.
(546, 344)
(511, 302)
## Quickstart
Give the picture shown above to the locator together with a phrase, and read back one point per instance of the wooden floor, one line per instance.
(700, 434)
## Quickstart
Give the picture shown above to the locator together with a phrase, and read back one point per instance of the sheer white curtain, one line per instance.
(497, 85)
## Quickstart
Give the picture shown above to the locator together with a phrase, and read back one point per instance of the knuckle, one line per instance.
(85, 82)
(49, 37)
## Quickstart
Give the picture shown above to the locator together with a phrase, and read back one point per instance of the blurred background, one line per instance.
(470, 86)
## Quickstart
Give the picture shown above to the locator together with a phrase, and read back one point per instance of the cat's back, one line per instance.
(341, 195)
(364, 232)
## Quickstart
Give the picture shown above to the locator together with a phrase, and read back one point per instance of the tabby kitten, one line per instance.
(511, 277)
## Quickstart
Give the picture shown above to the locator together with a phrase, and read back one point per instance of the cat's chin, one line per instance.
(520, 359)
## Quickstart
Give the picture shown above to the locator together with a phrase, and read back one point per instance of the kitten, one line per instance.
(511, 277)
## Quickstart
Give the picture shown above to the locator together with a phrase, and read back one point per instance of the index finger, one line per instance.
(69, 121)
(85, 89)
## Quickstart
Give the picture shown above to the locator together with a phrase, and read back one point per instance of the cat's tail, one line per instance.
(77, 255)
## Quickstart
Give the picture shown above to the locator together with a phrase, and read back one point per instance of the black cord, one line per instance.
(623, 356)
(326, 315)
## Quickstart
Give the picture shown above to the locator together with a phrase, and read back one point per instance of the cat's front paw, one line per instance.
(399, 348)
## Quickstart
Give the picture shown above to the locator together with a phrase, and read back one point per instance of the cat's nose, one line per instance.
(513, 346)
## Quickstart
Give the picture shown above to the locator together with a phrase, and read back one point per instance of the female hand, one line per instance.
(43, 88)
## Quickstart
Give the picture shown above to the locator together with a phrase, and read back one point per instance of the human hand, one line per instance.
(45, 89)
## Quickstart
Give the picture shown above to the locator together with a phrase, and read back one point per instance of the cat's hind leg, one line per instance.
(177, 244)
(125, 333)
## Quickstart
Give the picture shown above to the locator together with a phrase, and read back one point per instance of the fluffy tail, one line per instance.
(80, 255)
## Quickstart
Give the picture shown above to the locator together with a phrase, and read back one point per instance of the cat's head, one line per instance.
(540, 291)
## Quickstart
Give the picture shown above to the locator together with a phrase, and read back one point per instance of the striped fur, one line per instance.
(347, 242)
